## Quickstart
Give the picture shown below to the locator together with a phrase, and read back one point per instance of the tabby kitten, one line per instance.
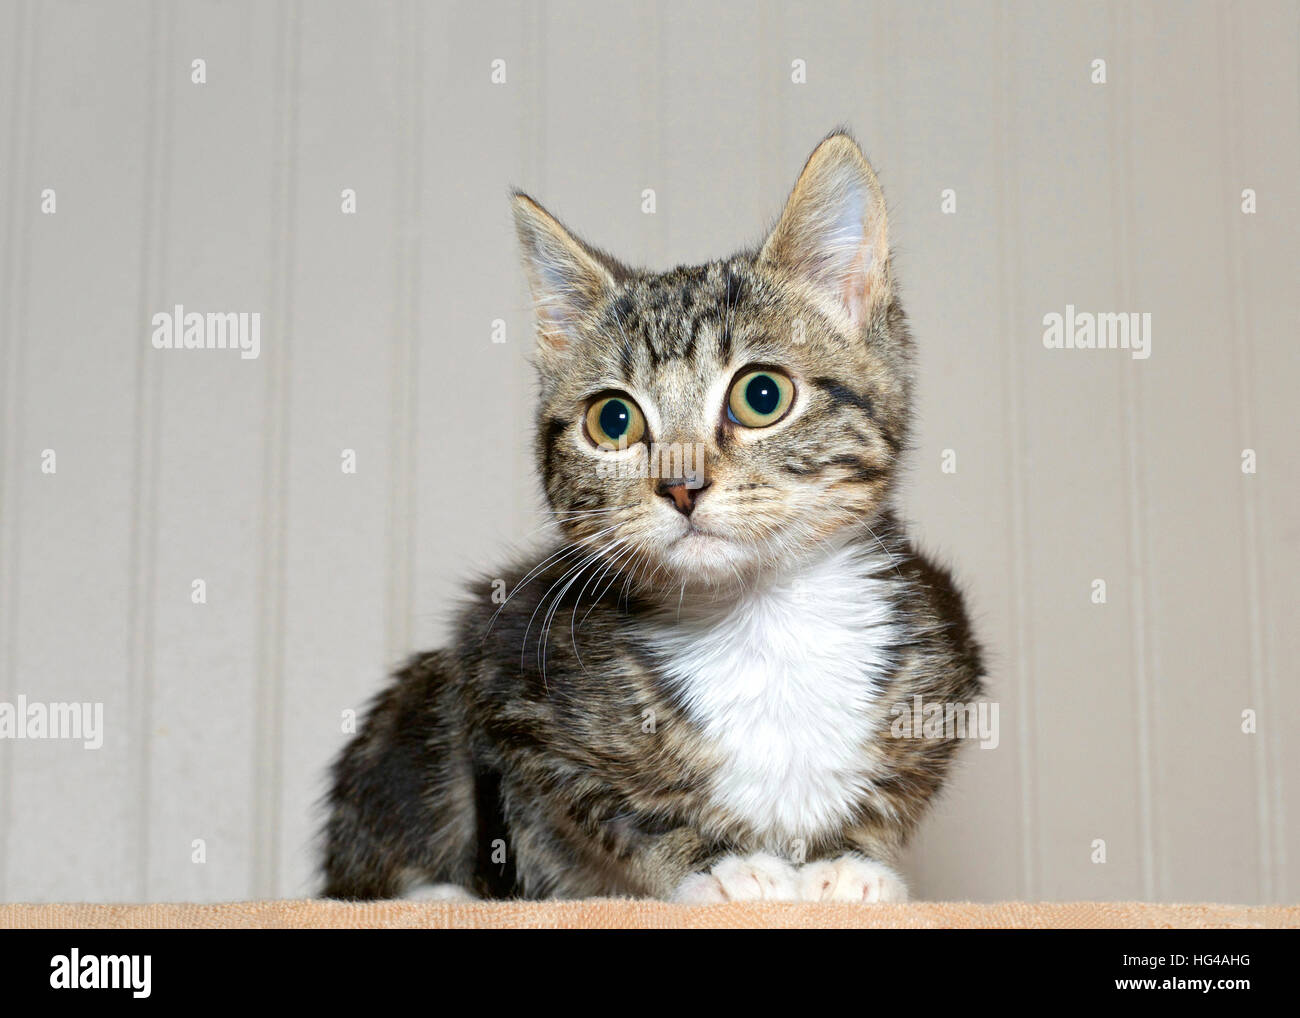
(690, 695)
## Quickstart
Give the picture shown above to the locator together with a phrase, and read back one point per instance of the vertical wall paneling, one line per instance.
(476, 494)
(1073, 465)
(142, 549)
(1238, 294)
(350, 427)
(945, 150)
(1011, 391)
(1261, 44)
(1204, 768)
(19, 29)
(72, 332)
(201, 611)
(1145, 719)
(405, 356)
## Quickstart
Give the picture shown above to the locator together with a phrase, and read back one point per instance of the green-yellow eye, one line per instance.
(760, 398)
(614, 422)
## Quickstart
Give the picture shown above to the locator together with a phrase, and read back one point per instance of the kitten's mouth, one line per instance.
(696, 531)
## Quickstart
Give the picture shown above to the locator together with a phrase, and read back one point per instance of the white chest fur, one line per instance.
(780, 679)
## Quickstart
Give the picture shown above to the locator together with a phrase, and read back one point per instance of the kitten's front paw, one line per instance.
(850, 878)
(741, 878)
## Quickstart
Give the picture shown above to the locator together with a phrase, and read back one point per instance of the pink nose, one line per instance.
(681, 493)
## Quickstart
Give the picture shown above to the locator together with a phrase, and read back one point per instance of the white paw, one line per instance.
(438, 892)
(850, 878)
(741, 878)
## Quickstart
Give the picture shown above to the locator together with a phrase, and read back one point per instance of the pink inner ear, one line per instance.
(858, 285)
(552, 336)
(555, 342)
(864, 282)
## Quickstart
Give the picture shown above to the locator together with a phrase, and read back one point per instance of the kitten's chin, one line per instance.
(701, 557)
(714, 563)
(706, 560)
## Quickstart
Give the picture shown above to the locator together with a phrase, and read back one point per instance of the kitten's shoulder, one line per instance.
(512, 609)
(513, 589)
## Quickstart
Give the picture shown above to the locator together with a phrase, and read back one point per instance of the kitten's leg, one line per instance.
(402, 804)
(850, 877)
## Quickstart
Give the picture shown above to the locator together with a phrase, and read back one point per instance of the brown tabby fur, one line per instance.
(519, 760)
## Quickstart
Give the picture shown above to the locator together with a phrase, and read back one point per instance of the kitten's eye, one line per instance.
(613, 421)
(760, 398)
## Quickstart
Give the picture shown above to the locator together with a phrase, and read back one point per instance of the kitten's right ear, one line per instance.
(567, 279)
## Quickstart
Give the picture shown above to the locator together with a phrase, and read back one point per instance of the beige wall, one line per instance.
(1120, 721)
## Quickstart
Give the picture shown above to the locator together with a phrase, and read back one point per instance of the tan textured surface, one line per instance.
(611, 914)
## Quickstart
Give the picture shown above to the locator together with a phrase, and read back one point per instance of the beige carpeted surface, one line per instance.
(615, 914)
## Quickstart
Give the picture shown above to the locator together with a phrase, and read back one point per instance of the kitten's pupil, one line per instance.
(615, 418)
(763, 394)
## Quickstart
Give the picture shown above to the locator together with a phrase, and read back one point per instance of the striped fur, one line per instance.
(686, 704)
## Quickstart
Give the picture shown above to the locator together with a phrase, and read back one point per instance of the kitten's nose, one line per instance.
(682, 494)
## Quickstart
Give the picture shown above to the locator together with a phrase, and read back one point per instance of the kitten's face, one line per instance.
(707, 425)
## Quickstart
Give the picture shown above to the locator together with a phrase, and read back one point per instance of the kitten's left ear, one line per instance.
(567, 278)
(833, 235)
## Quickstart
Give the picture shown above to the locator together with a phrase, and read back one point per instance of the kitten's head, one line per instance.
(712, 423)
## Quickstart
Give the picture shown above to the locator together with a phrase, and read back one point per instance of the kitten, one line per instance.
(689, 697)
